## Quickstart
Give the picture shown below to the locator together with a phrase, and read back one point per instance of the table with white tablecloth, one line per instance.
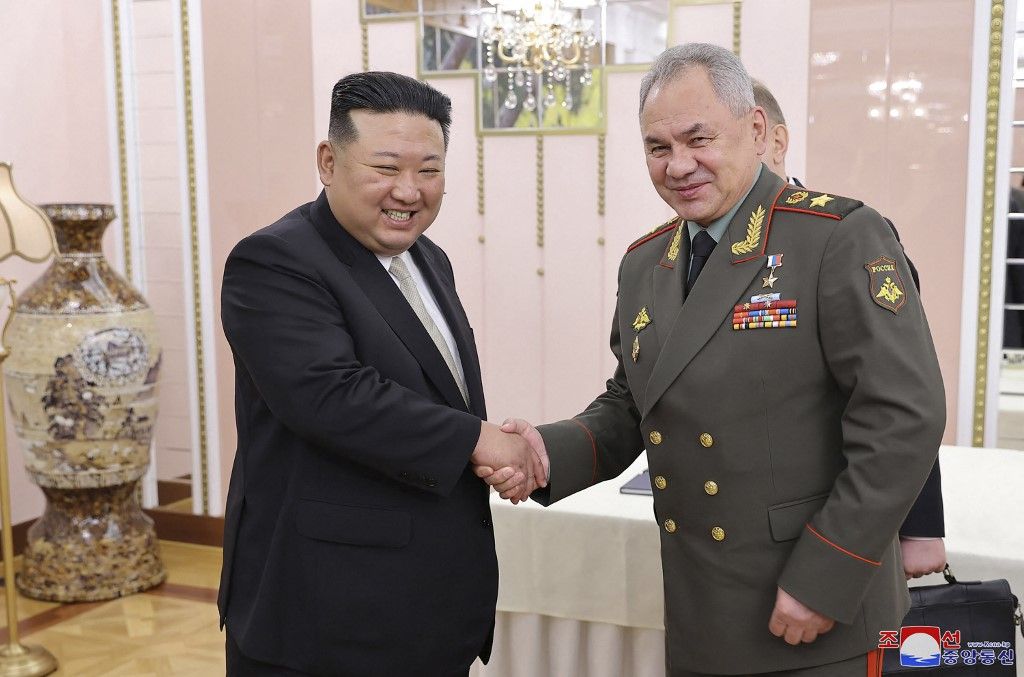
(580, 592)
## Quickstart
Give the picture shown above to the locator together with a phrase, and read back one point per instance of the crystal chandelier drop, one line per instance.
(548, 39)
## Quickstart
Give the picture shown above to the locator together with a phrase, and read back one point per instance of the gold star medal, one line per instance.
(774, 261)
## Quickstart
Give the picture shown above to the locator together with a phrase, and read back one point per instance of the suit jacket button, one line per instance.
(670, 526)
(718, 533)
(706, 440)
(655, 437)
(487, 522)
(430, 481)
(711, 487)
(660, 482)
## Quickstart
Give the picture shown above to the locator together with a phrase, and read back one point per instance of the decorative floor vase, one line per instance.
(81, 380)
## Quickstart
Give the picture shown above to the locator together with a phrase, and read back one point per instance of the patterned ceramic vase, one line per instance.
(81, 381)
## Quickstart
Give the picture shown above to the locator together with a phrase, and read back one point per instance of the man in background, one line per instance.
(921, 534)
(357, 540)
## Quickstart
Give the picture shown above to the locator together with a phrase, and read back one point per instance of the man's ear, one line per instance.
(779, 143)
(760, 130)
(326, 159)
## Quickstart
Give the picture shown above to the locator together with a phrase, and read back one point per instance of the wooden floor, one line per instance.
(168, 631)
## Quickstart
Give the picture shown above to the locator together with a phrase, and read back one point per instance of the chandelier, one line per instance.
(548, 39)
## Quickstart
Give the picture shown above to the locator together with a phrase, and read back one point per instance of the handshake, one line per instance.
(511, 458)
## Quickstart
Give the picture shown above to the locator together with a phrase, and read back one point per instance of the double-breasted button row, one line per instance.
(705, 439)
(717, 533)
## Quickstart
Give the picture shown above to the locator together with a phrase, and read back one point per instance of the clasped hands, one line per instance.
(511, 458)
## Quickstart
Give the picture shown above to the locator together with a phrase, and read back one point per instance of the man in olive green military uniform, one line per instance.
(775, 361)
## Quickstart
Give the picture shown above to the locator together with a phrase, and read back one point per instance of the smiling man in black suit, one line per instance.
(358, 541)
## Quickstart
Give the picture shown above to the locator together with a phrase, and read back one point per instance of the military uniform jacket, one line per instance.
(787, 438)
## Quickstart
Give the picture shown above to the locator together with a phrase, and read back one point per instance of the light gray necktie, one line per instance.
(412, 295)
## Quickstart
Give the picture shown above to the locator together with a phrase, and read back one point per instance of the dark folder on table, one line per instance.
(641, 484)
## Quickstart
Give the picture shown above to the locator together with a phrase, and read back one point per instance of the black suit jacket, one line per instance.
(357, 540)
(927, 516)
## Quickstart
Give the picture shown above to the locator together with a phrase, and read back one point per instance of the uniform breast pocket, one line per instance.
(353, 525)
(787, 520)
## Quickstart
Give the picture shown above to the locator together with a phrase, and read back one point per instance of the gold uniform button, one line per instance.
(670, 526)
(660, 482)
(706, 440)
(711, 487)
(718, 533)
(655, 437)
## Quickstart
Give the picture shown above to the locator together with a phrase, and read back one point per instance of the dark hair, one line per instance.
(765, 99)
(384, 92)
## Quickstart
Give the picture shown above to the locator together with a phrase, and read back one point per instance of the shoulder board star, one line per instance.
(795, 199)
(666, 227)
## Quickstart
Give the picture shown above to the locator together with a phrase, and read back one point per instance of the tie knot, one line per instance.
(399, 269)
(703, 244)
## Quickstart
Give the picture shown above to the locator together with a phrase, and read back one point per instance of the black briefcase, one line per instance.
(959, 628)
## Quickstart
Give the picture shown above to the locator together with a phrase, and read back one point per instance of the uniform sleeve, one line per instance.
(289, 334)
(876, 342)
(598, 444)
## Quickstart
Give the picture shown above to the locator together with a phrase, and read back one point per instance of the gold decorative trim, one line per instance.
(364, 37)
(480, 175)
(193, 217)
(995, 66)
(122, 141)
(753, 238)
(737, 16)
(540, 190)
(600, 173)
(677, 241)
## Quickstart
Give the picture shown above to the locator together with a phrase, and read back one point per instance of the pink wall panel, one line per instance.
(888, 125)
(573, 287)
(383, 37)
(927, 154)
(847, 130)
(459, 225)
(54, 129)
(702, 23)
(513, 291)
(259, 149)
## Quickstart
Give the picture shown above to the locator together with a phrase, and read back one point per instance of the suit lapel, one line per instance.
(384, 294)
(455, 316)
(726, 275)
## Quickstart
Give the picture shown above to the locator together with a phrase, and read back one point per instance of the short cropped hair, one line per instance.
(384, 92)
(728, 77)
(764, 98)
